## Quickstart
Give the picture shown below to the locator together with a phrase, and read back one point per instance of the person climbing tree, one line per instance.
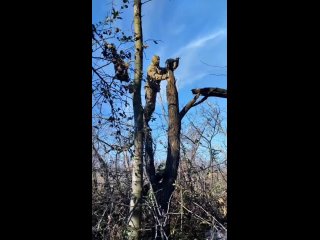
(156, 74)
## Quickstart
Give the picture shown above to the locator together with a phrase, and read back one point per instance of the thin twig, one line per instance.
(146, 2)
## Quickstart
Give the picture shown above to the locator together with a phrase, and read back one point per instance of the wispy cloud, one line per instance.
(188, 78)
(200, 42)
(177, 30)
(191, 69)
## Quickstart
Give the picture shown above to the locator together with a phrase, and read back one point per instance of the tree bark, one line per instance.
(211, 92)
(166, 187)
(173, 154)
(149, 158)
(134, 223)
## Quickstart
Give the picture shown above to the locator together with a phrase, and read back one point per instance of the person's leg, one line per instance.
(150, 103)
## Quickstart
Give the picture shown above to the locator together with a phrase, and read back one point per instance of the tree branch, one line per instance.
(116, 147)
(188, 106)
(98, 74)
(146, 2)
(213, 65)
(192, 104)
(211, 92)
(201, 101)
(101, 160)
(205, 92)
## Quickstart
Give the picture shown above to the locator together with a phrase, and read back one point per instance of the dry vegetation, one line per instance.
(199, 203)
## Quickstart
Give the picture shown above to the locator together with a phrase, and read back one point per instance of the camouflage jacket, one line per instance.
(155, 75)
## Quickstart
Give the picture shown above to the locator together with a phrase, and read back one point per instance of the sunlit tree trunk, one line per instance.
(134, 225)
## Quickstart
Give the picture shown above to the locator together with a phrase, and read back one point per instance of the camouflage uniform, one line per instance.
(154, 75)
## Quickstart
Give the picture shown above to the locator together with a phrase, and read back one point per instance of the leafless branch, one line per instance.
(146, 2)
(212, 65)
(188, 106)
(201, 101)
(210, 215)
(211, 92)
(116, 147)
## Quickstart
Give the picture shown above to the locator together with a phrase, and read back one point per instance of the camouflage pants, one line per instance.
(150, 96)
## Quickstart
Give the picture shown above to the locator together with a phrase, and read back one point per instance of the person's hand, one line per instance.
(166, 76)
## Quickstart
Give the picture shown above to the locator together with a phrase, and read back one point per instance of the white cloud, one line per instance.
(177, 30)
(181, 79)
(200, 42)
(191, 69)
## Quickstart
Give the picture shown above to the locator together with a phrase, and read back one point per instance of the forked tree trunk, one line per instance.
(166, 187)
(134, 224)
(173, 152)
(149, 158)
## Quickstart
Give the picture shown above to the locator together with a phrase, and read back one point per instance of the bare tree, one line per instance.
(107, 90)
(163, 184)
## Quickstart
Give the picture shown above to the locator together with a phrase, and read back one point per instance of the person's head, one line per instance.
(156, 60)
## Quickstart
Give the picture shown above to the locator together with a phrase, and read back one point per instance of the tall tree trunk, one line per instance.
(173, 154)
(166, 187)
(149, 158)
(134, 224)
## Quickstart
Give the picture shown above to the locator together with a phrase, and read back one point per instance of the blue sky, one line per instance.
(195, 31)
